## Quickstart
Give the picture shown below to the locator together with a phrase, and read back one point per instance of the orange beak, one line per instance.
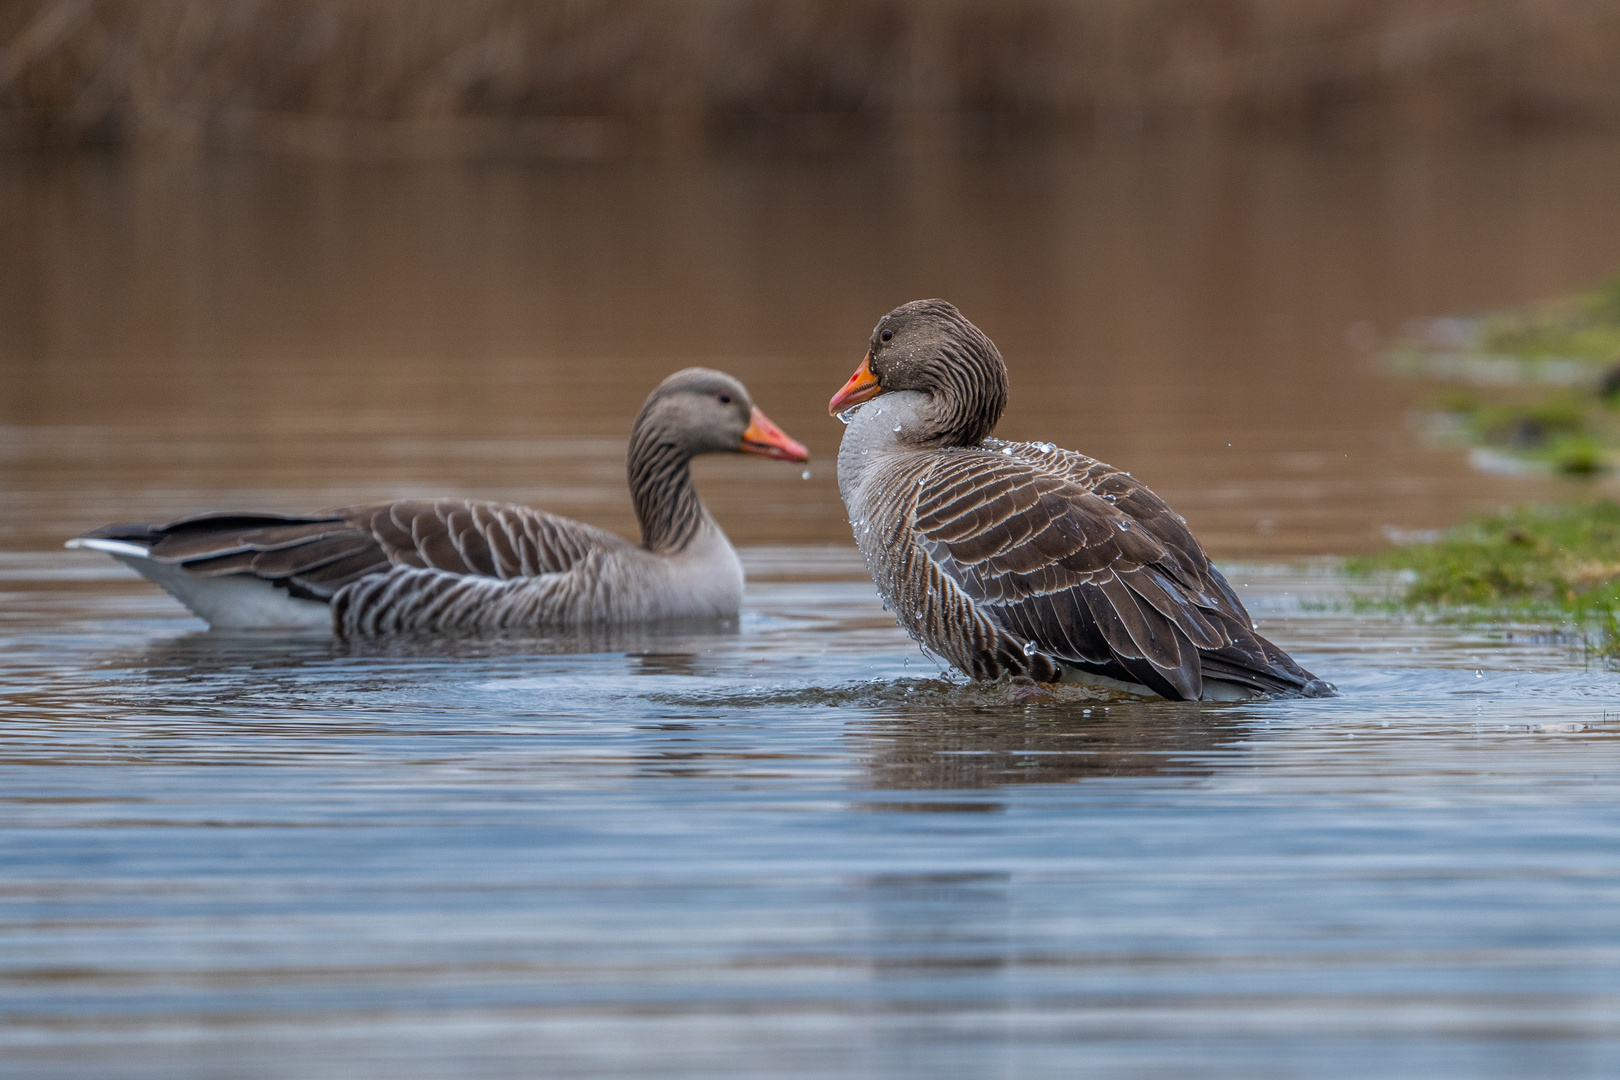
(862, 386)
(767, 440)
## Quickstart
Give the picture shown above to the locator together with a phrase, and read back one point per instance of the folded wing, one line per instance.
(315, 557)
(1091, 568)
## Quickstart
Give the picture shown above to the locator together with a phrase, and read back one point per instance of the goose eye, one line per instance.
(886, 335)
(725, 399)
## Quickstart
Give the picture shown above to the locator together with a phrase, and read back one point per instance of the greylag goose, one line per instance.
(456, 565)
(1019, 558)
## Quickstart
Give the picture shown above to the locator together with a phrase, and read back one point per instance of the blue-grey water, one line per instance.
(791, 847)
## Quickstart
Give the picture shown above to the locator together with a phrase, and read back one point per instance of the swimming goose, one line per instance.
(455, 564)
(1018, 558)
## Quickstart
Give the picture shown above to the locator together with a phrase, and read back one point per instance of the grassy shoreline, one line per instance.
(1558, 562)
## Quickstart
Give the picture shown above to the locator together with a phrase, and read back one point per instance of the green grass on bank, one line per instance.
(1541, 383)
(1584, 326)
(1558, 562)
(1574, 432)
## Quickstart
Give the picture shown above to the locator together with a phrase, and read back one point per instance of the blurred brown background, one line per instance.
(577, 78)
(296, 254)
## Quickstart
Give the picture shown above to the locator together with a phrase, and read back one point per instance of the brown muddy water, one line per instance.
(792, 848)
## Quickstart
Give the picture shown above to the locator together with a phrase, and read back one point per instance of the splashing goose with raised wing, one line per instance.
(1018, 558)
(462, 565)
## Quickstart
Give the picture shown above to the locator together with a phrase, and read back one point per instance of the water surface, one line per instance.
(791, 847)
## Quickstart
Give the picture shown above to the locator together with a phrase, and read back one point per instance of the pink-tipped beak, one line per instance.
(767, 440)
(862, 386)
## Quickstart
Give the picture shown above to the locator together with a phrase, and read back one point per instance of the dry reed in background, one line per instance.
(586, 77)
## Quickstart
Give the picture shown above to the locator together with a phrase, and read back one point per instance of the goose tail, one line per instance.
(230, 602)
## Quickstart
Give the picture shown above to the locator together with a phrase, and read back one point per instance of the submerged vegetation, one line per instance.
(1541, 384)
(1536, 562)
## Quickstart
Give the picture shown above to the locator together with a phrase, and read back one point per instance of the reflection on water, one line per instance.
(959, 749)
(182, 332)
(667, 647)
(789, 846)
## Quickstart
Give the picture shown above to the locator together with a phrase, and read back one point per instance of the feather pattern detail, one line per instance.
(1012, 540)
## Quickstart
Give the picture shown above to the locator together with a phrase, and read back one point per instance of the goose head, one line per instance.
(701, 411)
(927, 346)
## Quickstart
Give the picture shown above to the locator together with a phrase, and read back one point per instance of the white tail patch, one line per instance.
(232, 602)
(119, 548)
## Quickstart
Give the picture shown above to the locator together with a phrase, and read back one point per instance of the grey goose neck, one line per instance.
(667, 504)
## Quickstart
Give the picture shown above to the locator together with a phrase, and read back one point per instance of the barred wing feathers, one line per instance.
(1084, 566)
(317, 556)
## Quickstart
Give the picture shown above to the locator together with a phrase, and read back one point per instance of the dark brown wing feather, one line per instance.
(314, 557)
(1093, 569)
(488, 539)
(311, 557)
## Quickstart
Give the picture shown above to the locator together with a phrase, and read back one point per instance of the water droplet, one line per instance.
(1124, 526)
(1478, 674)
(805, 475)
(849, 414)
(1029, 648)
(897, 427)
(1007, 450)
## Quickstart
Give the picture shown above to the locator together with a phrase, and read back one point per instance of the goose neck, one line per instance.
(667, 504)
